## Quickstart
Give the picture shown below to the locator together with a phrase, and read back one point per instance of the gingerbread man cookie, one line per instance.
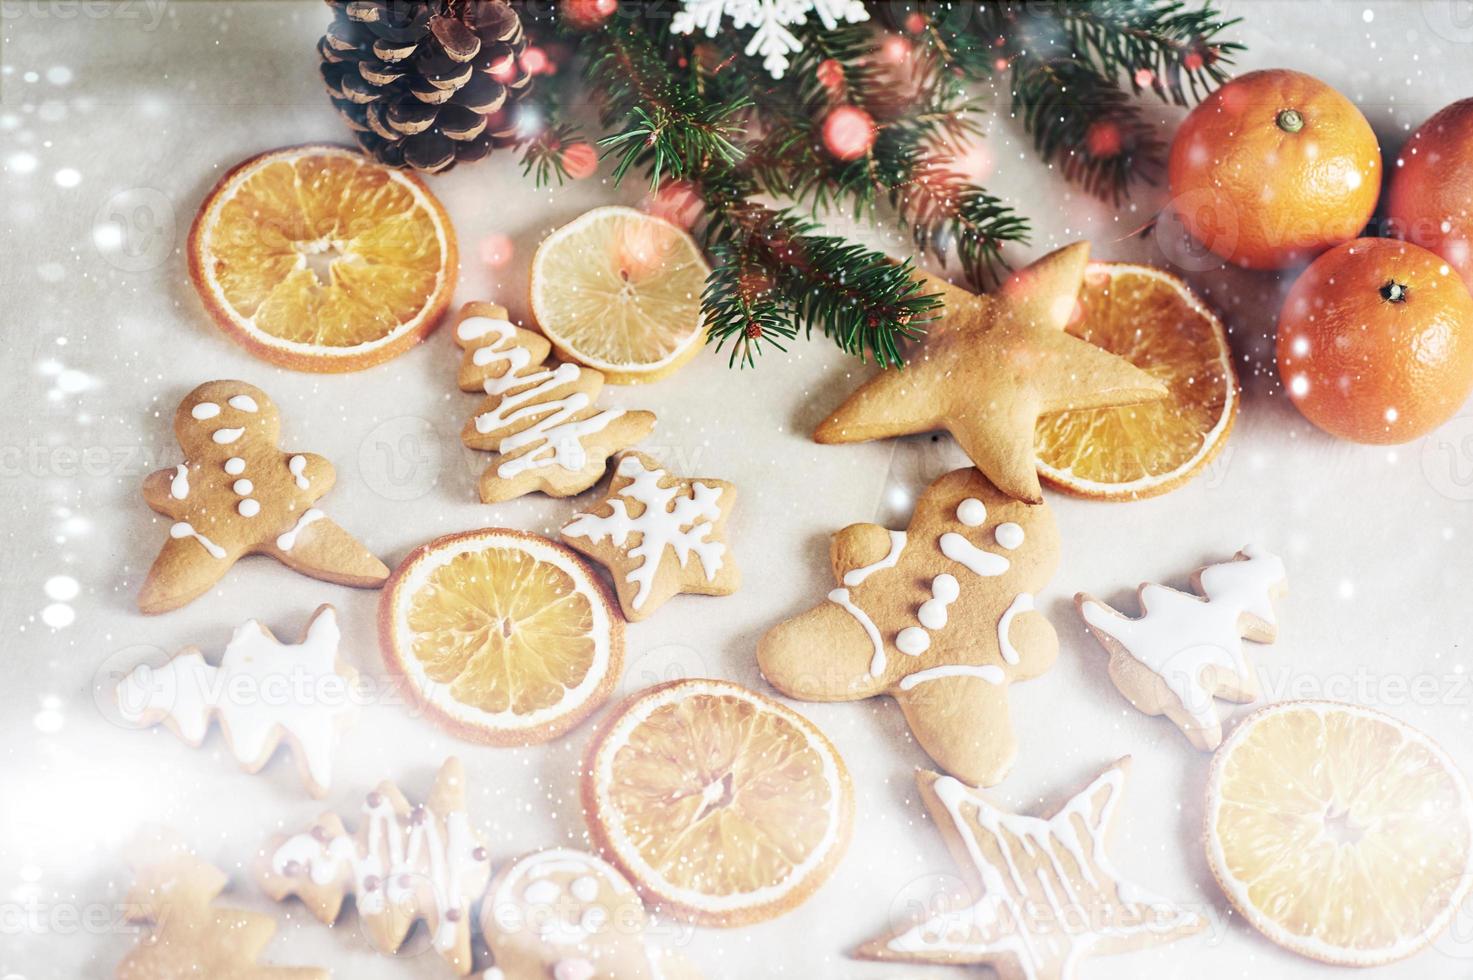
(263, 692)
(990, 367)
(237, 494)
(403, 864)
(567, 915)
(173, 894)
(538, 418)
(940, 617)
(1044, 894)
(1184, 650)
(659, 535)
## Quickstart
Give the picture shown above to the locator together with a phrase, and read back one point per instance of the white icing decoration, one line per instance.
(225, 437)
(1009, 535)
(999, 920)
(972, 512)
(584, 888)
(401, 853)
(186, 530)
(980, 562)
(179, 485)
(542, 892)
(288, 539)
(576, 968)
(205, 410)
(913, 641)
(555, 436)
(297, 467)
(856, 576)
(1022, 602)
(243, 487)
(243, 403)
(1179, 636)
(669, 520)
(235, 466)
(944, 591)
(246, 693)
(840, 597)
(990, 673)
(248, 507)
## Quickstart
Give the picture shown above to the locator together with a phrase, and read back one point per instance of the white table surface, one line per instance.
(154, 100)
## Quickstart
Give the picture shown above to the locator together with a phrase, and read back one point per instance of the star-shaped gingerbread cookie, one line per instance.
(237, 494)
(1044, 894)
(659, 535)
(990, 367)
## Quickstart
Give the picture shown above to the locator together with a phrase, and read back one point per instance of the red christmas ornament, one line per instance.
(830, 74)
(580, 160)
(587, 15)
(848, 132)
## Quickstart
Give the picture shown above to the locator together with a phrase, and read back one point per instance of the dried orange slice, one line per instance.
(620, 291)
(1153, 320)
(1339, 832)
(318, 259)
(723, 806)
(502, 637)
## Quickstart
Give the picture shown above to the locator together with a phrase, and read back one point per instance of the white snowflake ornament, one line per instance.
(772, 18)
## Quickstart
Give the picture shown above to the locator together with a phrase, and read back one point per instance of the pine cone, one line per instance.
(426, 84)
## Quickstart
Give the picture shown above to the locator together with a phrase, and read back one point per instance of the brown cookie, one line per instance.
(563, 914)
(939, 617)
(659, 535)
(237, 494)
(403, 864)
(1184, 650)
(538, 418)
(188, 936)
(990, 367)
(1043, 892)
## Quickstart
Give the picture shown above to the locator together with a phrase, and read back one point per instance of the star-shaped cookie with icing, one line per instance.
(990, 367)
(659, 535)
(940, 617)
(237, 494)
(1044, 894)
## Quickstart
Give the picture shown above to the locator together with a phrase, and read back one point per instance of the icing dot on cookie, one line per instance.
(542, 892)
(584, 889)
(1009, 535)
(226, 436)
(913, 641)
(244, 403)
(971, 512)
(243, 487)
(248, 507)
(297, 466)
(235, 466)
(205, 410)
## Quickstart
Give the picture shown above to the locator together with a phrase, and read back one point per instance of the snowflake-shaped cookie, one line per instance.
(772, 18)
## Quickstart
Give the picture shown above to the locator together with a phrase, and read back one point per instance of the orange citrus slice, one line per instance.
(1339, 832)
(503, 637)
(318, 259)
(721, 805)
(1153, 320)
(620, 291)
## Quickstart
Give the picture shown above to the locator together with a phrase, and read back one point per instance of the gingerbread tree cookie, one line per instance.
(263, 692)
(1044, 895)
(590, 923)
(659, 535)
(173, 892)
(988, 369)
(1184, 650)
(940, 617)
(538, 418)
(237, 494)
(403, 864)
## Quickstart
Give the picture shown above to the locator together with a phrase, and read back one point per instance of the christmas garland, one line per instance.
(825, 104)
